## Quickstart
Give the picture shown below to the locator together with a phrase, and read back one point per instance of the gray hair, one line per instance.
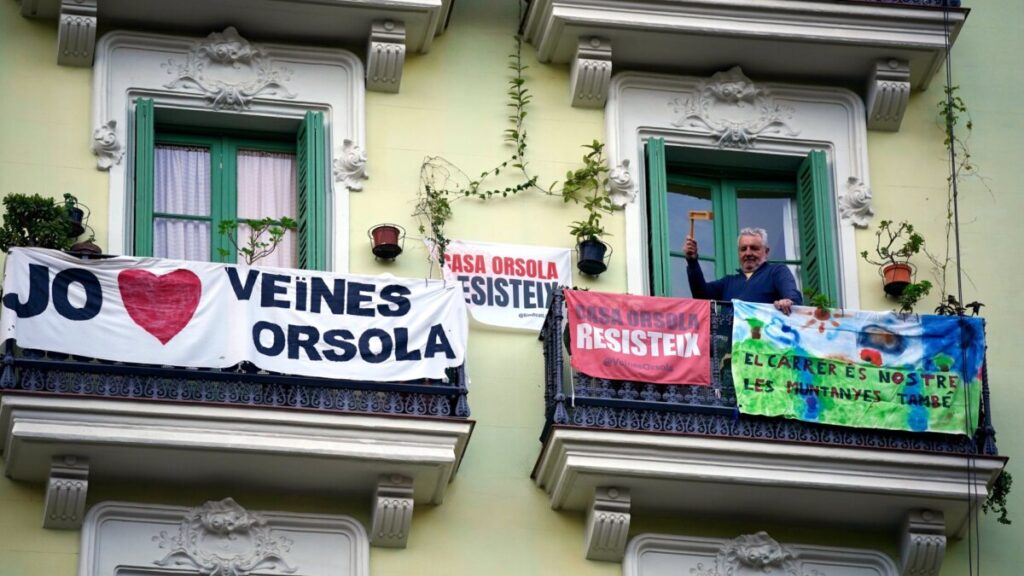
(759, 232)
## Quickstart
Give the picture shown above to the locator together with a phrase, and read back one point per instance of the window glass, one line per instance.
(776, 214)
(181, 223)
(266, 189)
(681, 200)
(193, 193)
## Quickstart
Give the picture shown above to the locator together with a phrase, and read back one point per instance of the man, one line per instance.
(758, 281)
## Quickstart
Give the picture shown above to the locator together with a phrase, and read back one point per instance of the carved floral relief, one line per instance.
(349, 166)
(855, 203)
(734, 109)
(229, 71)
(224, 539)
(754, 554)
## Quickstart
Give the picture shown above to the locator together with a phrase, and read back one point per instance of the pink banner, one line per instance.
(642, 338)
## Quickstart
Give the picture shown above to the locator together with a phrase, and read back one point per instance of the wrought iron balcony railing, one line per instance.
(42, 372)
(576, 399)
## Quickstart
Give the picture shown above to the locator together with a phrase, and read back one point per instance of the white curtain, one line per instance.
(266, 188)
(182, 186)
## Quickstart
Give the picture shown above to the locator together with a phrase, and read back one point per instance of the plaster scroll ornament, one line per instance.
(349, 166)
(620, 185)
(754, 554)
(106, 146)
(855, 203)
(229, 71)
(224, 539)
(735, 110)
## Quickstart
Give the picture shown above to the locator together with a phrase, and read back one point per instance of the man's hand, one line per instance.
(690, 248)
(785, 306)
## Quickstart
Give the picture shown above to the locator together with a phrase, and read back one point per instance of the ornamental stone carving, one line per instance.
(385, 56)
(620, 184)
(607, 528)
(66, 489)
(754, 554)
(734, 110)
(349, 166)
(591, 73)
(106, 146)
(888, 94)
(855, 203)
(229, 71)
(224, 539)
(76, 34)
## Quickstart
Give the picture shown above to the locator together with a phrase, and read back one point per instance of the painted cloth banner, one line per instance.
(863, 369)
(507, 285)
(200, 314)
(643, 338)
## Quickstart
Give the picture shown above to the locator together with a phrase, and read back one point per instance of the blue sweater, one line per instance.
(770, 282)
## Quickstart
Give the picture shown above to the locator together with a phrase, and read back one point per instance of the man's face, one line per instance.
(753, 253)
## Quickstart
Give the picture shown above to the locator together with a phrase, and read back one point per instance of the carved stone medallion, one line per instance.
(754, 554)
(350, 166)
(734, 110)
(855, 203)
(224, 539)
(229, 71)
(620, 184)
(105, 145)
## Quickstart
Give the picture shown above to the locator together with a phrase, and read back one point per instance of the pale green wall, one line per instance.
(452, 104)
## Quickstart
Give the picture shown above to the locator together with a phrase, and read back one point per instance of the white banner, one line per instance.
(506, 284)
(199, 314)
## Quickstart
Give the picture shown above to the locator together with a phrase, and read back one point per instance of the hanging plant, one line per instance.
(442, 183)
(35, 221)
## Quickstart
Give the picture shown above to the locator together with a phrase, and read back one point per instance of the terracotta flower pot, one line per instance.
(387, 240)
(896, 277)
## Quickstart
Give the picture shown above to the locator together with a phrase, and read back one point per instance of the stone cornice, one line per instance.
(823, 42)
(789, 482)
(293, 451)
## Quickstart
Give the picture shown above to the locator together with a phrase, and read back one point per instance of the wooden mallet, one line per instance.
(700, 215)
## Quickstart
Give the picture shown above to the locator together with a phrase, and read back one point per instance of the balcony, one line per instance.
(70, 421)
(616, 448)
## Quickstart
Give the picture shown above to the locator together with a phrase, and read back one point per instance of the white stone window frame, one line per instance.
(820, 118)
(132, 65)
(135, 539)
(665, 555)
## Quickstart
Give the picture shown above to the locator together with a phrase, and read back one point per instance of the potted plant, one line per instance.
(34, 221)
(387, 240)
(590, 181)
(895, 243)
(592, 253)
(912, 294)
(75, 215)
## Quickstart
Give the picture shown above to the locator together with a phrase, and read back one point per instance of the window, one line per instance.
(792, 205)
(188, 182)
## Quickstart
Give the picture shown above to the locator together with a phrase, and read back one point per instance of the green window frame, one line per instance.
(309, 147)
(808, 185)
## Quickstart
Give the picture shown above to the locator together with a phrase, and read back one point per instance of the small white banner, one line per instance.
(505, 284)
(205, 315)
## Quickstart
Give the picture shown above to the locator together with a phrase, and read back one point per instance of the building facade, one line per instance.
(815, 119)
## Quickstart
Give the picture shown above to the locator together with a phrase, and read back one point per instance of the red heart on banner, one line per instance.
(161, 305)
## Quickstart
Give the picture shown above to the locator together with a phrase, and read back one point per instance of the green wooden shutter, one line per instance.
(814, 210)
(145, 160)
(311, 160)
(657, 218)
